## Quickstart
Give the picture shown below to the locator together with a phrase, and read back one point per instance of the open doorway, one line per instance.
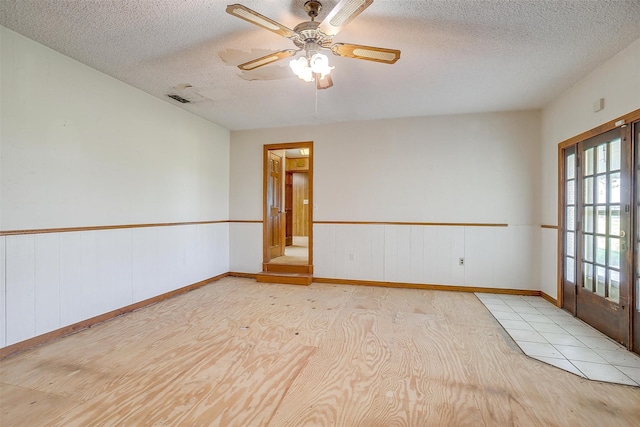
(288, 207)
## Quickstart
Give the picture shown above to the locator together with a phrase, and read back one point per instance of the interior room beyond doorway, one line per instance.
(296, 195)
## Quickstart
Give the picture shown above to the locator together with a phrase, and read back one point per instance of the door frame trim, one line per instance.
(265, 167)
(627, 119)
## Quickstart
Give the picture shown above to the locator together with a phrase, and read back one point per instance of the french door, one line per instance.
(597, 229)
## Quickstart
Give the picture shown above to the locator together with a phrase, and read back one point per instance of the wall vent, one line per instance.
(179, 98)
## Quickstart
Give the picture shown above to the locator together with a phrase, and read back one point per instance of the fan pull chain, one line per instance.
(316, 102)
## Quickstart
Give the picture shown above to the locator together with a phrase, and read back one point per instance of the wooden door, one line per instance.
(300, 204)
(275, 207)
(635, 303)
(288, 208)
(604, 207)
(568, 226)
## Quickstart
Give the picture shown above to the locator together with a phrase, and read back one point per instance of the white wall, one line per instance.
(481, 168)
(79, 148)
(570, 114)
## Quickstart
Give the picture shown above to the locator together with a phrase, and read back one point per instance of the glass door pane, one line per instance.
(569, 229)
(604, 213)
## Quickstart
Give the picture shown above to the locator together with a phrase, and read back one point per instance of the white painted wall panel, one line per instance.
(144, 263)
(549, 262)
(206, 262)
(458, 168)
(430, 254)
(20, 288)
(485, 256)
(76, 155)
(450, 247)
(245, 247)
(70, 278)
(106, 271)
(47, 282)
(500, 257)
(370, 253)
(220, 250)
(3, 290)
(324, 242)
(345, 254)
(416, 273)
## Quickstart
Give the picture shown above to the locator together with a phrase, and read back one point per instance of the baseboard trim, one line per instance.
(85, 324)
(244, 275)
(549, 298)
(431, 287)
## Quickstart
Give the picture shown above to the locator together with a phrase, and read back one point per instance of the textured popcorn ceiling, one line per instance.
(458, 56)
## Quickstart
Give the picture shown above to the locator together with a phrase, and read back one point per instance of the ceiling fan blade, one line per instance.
(267, 59)
(255, 18)
(370, 53)
(342, 14)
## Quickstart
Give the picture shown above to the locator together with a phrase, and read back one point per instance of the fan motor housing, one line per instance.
(308, 32)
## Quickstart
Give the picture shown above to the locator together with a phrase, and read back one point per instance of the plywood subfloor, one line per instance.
(241, 353)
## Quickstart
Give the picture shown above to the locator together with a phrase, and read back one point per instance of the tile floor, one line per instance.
(551, 335)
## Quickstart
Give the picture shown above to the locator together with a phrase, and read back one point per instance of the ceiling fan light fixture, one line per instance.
(306, 69)
(320, 64)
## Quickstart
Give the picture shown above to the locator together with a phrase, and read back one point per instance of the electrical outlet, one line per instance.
(351, 256)
(461, 261)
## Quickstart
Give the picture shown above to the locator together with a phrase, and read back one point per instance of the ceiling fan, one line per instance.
(312, 37)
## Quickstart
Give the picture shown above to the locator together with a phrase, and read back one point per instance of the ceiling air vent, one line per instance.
(179, 98)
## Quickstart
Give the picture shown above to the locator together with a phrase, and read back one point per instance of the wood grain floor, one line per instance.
(241, 353)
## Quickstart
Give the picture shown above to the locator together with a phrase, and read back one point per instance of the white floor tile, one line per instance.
(547, 327)
(539, 318)
(551, 310)
(507, 297)
(603, 372)
(582, 331)
(539, 349)
(488, 297)
(620, 358)
(526, 309)
(582, 354)
(516, 324)
(530, 336)
(598, 343)
(633, 373)
(541, 303)
(517, 303)
(499, 307)
(554, 336)
(562, 339)
(563, 364)
(565, 320)
(504, 315)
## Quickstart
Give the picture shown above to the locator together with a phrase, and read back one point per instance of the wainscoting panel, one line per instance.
(245, 247)
(54, 280)
(21, 291)
(549, 262)
(70, 278)
(500, 257)
(503, 257)
(47, 282)
(106, 271)
(3, 293)
(324, 254)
